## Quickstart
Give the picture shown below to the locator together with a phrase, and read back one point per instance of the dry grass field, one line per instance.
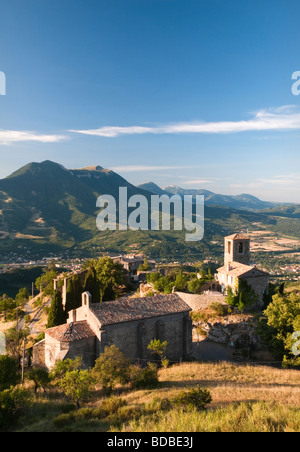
(245, 398)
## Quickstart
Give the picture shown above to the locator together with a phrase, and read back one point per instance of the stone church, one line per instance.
(237, 268)
(128, 323)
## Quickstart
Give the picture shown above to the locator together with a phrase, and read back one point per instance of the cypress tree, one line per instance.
(56, 315)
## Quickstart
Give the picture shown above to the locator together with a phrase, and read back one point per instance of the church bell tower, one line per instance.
(237, 249)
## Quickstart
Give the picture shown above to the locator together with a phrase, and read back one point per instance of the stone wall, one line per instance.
(132, 338)
(235, 331)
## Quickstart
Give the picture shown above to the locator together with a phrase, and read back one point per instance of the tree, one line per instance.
(74, 293)
(40, 377)
(160, 349)
(283, 319)
(110, 275)
(45, 282)
(62, 367)
(111, 368)
(14, 342)
(195, 285)
(145, 267)
(22, 296)
(76, 385)
(56, 315)
(92, 284)
(9, 372)
(7, 306)
(180, 282)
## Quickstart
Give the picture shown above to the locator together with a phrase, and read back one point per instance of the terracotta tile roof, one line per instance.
(130, 309)
(70, 332)
(237, 269)
(239, 236)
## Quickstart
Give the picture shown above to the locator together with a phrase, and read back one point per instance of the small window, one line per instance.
(229, 247)
(241, 248)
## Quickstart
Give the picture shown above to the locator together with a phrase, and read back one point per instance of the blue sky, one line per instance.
(195, 93)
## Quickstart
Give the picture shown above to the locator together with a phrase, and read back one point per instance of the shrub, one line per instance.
(9, 373)
(13, 402)
(40, 377)
(142, 378)
(194, 398)
(113, 408)
(219, 308)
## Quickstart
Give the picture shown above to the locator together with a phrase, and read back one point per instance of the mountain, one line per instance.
(153, 188)
(46, 200)
(240, 202)
(46, 208)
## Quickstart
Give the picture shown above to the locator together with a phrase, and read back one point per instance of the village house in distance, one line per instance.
(237, 258)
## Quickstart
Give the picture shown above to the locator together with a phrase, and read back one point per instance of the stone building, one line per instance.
(132, 262)
(128, 323)
(237, 268)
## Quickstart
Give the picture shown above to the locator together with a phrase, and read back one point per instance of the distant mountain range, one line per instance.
(45, 204)
(242, 202)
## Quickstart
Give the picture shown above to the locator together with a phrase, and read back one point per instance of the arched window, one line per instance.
(241, 248)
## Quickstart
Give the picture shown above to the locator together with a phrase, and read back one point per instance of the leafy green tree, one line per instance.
(76, 385)
(22, 296)
(57, 314)
(9, 372)
(45, 282)
(62, 367)
(283, 316)
(195, 285)
(111, 368)
(181, 282)
(160, 349)
(110, 275)
(7, 306)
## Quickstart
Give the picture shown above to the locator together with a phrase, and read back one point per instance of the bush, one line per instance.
(112, 408)
(219, 308)
(142, 378)
(13, 402)
(9, 373)
(194, 398)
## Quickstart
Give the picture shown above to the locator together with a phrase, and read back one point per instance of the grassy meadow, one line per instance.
(245, 398)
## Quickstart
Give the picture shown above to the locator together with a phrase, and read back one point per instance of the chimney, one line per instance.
(72, 316)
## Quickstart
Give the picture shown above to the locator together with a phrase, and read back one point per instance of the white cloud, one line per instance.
(138, 168)
(15, 136)
(281, 118)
